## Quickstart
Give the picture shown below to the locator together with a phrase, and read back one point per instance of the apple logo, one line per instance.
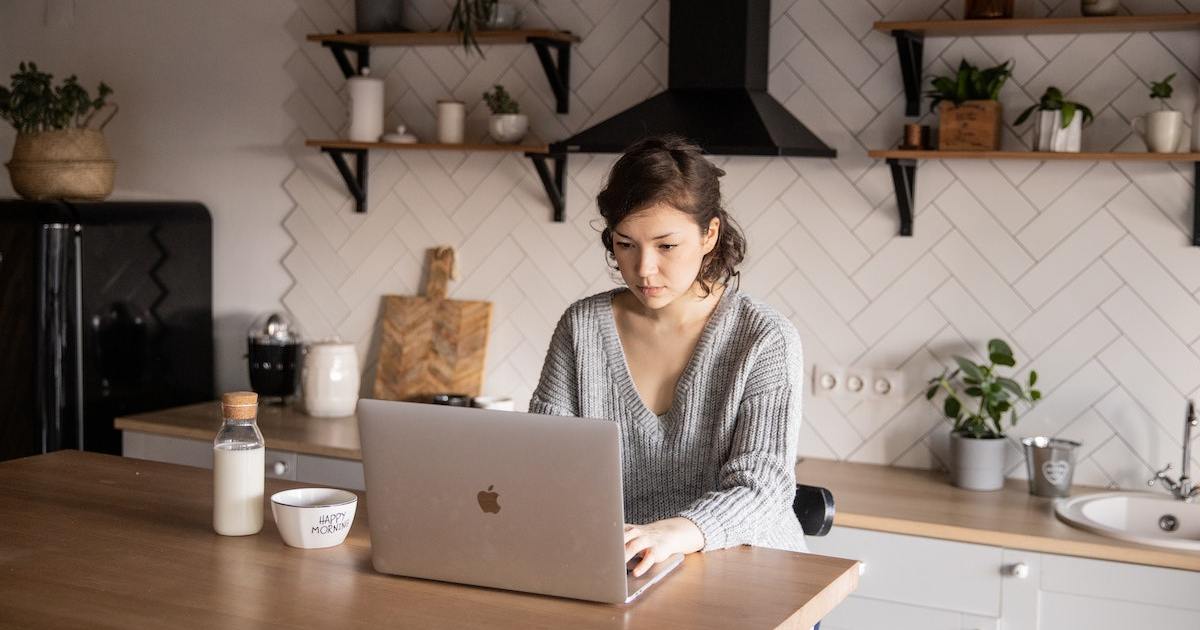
(489, 501)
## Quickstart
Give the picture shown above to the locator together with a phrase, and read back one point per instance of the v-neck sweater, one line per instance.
(724, 454)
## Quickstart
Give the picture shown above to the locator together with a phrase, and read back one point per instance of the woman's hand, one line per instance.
(660, 540)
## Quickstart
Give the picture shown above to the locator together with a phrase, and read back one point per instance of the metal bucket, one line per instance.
(1050, 463)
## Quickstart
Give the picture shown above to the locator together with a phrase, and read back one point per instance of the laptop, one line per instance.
(502, 499)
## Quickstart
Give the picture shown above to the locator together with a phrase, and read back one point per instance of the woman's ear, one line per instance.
(709, 242)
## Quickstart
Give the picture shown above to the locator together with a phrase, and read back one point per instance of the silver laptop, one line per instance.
(502, 499)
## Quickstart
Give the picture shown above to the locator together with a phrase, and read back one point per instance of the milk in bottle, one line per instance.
(238, 467)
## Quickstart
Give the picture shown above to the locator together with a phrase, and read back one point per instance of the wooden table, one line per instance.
(90, 540)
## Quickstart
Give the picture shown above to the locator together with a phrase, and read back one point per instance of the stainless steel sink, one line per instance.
(1141, 517)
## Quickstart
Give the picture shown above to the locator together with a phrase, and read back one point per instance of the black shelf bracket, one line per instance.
(553, 182)
(911, 47)
(362, 57)
(1196, 205)
(558, 74)
(356, 181)
(904, 179)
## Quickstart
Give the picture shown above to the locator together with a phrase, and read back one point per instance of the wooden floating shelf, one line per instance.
(429, 146)
(356, 178)
(443, 38)
(553, 50)
(1046, 26)
(903, 164)
(1119, 156)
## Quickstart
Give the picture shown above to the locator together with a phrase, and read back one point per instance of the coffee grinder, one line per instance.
(275, 350)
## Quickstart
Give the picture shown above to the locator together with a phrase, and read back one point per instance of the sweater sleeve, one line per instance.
(557, 392)
(757, 482)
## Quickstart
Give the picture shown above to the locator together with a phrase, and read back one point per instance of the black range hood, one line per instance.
(717, 90)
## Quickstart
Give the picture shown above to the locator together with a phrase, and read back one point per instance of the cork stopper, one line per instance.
(239, 405)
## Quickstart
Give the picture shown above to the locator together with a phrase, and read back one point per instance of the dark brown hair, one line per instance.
(669, 169)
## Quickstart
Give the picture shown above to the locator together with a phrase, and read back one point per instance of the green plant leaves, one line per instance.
(951, 407)
(970, 83)
(32, 104)
(500, 102)
(998, 396)
(968, 368)
(1162, 89)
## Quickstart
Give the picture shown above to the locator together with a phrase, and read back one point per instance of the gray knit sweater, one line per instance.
(723, 455)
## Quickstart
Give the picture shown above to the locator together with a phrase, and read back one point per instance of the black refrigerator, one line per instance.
(105, 310)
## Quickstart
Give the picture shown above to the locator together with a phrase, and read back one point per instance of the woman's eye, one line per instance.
(667, 248)
(624, 245)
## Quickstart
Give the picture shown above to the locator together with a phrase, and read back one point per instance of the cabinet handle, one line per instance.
(279, 467)
(1019, 570)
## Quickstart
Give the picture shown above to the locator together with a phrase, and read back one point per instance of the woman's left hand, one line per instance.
(660, 540)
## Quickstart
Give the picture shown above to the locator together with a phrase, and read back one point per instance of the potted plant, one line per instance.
(969, 114)
(1057, 128)
(977, 443)
(471, 16)
(988, 9)
(59, 152)
(1163, 129)
(507, 124)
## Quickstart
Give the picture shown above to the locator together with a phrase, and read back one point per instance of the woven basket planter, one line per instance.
(65, 164)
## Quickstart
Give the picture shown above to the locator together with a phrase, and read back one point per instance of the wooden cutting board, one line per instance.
(429, 344)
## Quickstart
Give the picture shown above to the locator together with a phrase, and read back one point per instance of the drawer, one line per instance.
(280, 464)
(170, 450)
(1117, 581)
(939, 574)
(330, 471)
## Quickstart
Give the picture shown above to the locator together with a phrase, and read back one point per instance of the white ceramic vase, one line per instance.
(331, 379)
(451, 121)
(1161, 130)
(508, 128)
(1049, 134)
(1099, 7)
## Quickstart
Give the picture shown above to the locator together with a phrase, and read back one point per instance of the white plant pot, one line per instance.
(508, 128)
(1049, 134)
(977, 464)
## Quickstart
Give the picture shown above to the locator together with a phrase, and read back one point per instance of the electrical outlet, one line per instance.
(857, 382)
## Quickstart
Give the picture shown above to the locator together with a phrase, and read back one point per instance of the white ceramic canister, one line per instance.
(451, 120)
(330, 379)
(366, 107)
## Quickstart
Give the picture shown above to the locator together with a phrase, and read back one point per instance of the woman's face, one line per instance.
(659, 251)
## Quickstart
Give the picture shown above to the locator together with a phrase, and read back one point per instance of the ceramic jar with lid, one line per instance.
(331, 379)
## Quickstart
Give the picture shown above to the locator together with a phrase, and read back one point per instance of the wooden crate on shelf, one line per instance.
(971, 126)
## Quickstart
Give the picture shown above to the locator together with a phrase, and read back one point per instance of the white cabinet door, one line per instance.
(924, 572)
(864, 613)
(1101, 595)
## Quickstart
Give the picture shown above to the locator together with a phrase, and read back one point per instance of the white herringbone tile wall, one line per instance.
(1084, 266)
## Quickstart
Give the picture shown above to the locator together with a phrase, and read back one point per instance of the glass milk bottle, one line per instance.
(238, 468)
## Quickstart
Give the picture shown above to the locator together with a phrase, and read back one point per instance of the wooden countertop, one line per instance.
(282, 427)
(924, 503)
(92, 540)
(882, 498)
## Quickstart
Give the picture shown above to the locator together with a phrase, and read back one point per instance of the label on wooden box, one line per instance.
(971, 126)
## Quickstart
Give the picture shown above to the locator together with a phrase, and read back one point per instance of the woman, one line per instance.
(704, 381)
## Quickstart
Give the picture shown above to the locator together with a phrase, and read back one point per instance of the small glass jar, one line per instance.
(238, 467)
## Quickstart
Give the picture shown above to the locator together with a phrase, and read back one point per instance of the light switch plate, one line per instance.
(857, 382)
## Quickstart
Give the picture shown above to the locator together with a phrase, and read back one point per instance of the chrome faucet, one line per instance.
(1185, 489)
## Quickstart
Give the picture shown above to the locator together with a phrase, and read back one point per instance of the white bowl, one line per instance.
(313, 518)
